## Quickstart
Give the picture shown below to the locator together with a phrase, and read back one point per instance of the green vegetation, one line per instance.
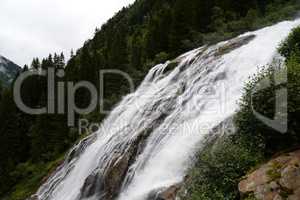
(136, 38)
(274, 173)
(30, 146)
(223, 162)
(291, 47)
(150, 32)
(263, 101)
(1, 90)
(250, 197)
(29, 177)
(219, 168)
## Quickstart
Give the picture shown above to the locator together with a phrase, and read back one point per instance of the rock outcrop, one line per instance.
(8, 71)
(107, 185)
(279, 179)
(167, 193)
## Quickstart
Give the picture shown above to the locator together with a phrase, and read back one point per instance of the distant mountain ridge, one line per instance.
(8, 71)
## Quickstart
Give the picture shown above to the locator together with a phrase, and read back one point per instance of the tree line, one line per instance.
(134, 40)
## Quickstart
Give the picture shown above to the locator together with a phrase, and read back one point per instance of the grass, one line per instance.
(274, 172)
(250, 197)
(31, 177)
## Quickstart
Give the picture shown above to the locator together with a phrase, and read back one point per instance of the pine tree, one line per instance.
(25, 68)
(35, 64)
(1, 90)
(61, 62)
(56, 60)
(72, 53)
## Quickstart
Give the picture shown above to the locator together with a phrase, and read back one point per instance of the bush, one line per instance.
(161, 57)
(264, 102)
(291, 45)
(219, 168)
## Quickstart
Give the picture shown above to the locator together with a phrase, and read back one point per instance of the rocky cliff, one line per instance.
(278, 179)
(8, 70)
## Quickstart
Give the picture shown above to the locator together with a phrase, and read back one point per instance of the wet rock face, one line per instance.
(234, 44)
(116, 173)
(279, 179)
(168, 193)
(33, 197)
(90, 185)
(107, 185)
(81, 146)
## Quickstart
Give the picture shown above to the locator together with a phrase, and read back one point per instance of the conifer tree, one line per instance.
(1, 90)
(35, 64)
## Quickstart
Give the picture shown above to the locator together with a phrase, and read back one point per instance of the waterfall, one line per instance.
(148, 140)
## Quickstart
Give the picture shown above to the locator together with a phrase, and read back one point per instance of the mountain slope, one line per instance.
(152, 31)
(8, 70)
(166, 116)
(148, 32)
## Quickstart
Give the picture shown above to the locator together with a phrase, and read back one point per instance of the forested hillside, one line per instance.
(152, 31)
(134, 40)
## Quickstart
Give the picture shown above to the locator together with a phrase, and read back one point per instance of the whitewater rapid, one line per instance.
(174, 109)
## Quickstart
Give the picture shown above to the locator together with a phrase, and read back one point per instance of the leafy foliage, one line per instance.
(222, 163)
(219, 167)
(264, 102)
(291, 45)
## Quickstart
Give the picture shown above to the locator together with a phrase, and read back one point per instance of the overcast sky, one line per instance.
(35, 28)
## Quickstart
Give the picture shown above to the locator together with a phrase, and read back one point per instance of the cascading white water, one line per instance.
(173, 111)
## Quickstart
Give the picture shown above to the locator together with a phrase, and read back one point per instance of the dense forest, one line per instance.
(134, 40)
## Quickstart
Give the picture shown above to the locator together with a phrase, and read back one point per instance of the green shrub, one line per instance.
(161, 57)
(219, 168)
(264, 101)
(291, 45)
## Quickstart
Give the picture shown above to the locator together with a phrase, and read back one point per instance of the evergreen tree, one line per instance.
(61, 63)
(1, 90)
(35, 64)
(72, 53)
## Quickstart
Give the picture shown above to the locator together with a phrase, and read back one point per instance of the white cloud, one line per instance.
(35, 28)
